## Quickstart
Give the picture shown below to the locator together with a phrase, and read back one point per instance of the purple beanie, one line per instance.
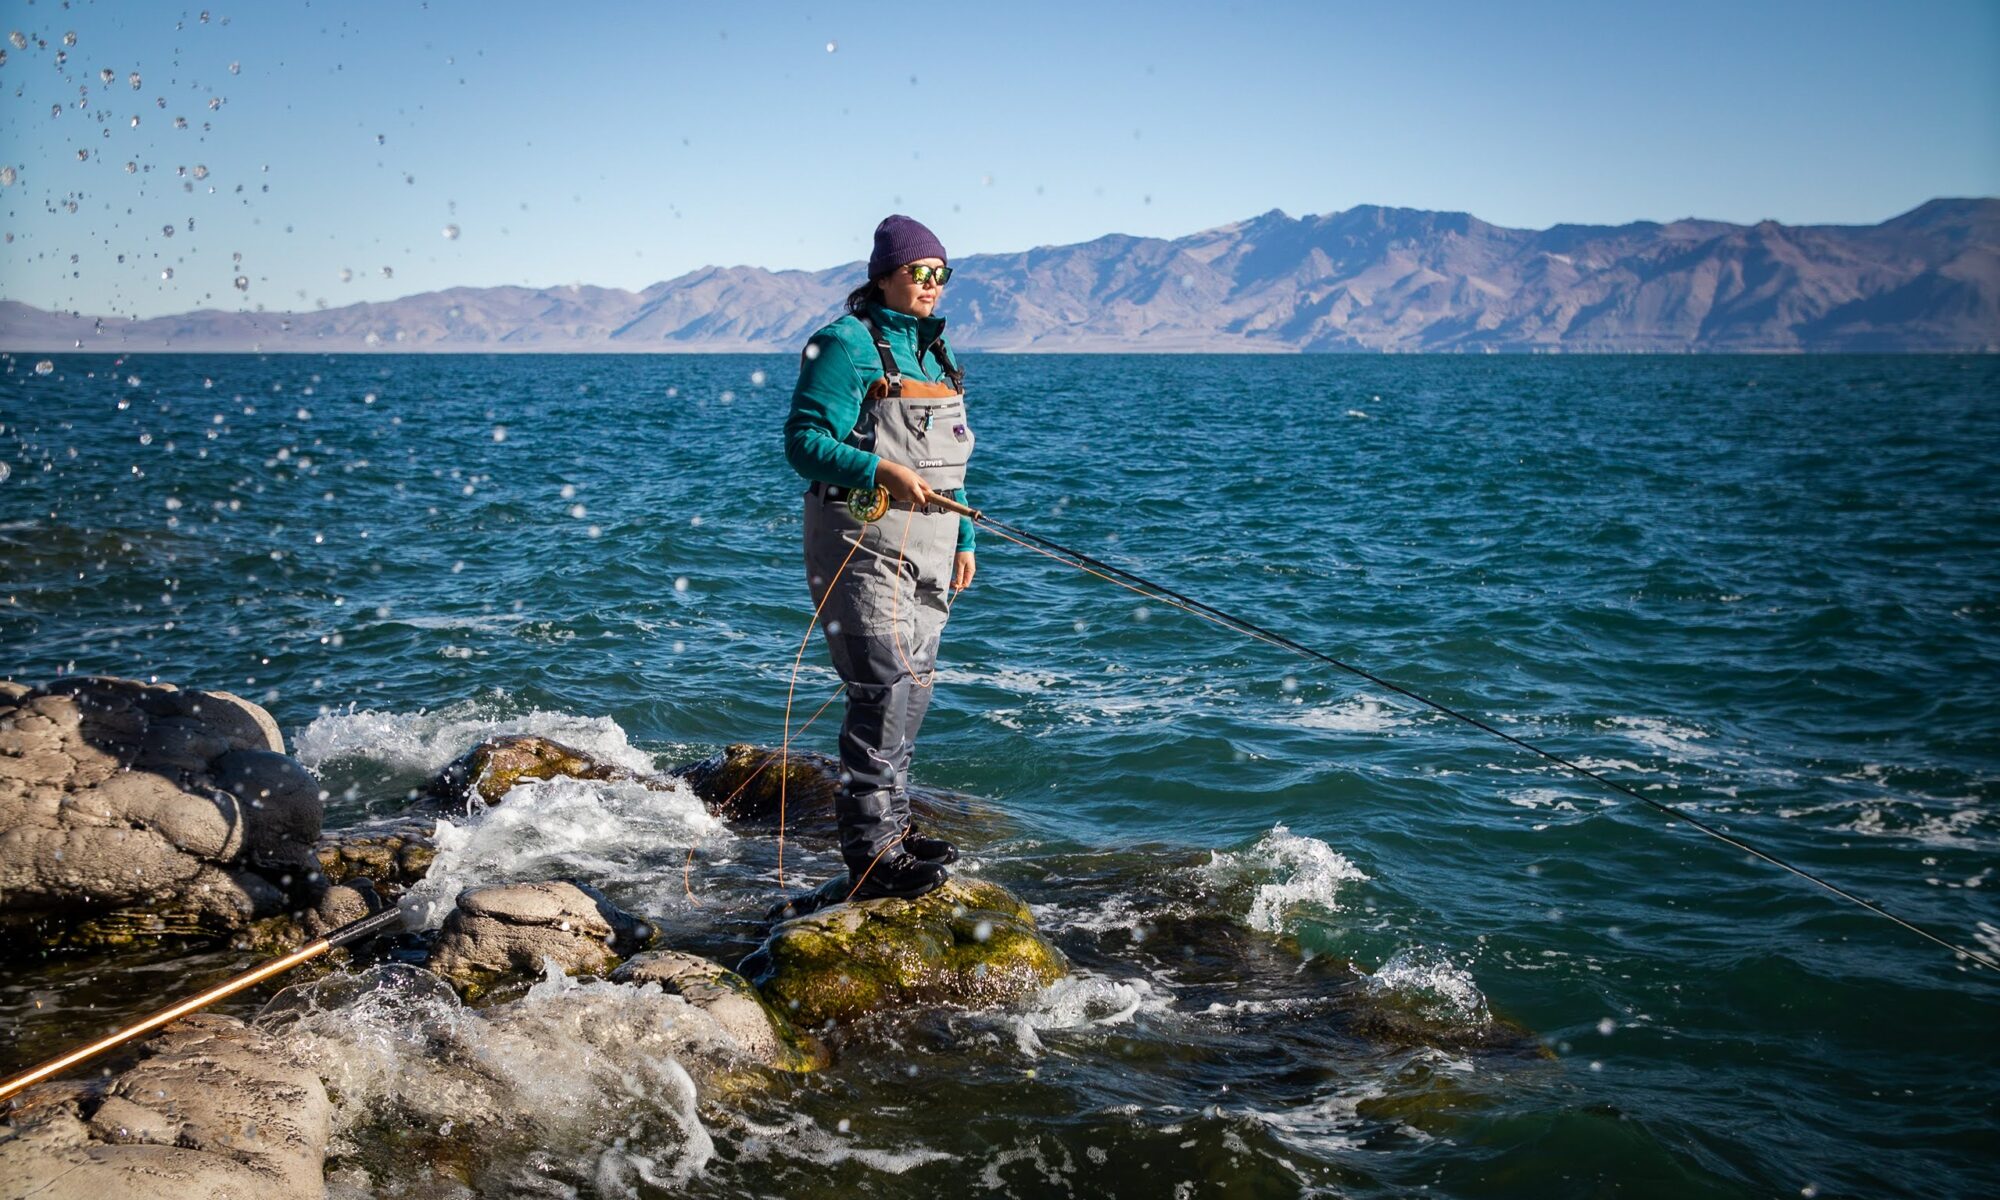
(898, 240)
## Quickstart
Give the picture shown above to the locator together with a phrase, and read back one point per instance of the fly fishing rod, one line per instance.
(353, 931)
(1207, 612)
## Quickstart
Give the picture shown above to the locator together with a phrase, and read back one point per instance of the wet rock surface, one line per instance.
(213, 1108)
(393, 855)
(134, 810)
(761, 1032)
(488, 771)
(515, 928)
(969, 943)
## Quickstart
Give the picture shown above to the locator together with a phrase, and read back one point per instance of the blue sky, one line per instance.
(622, 144)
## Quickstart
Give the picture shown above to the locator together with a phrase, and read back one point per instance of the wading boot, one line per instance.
(898, 874)
(928, 849)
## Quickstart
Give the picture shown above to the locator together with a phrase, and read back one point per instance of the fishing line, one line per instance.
(1160, 592)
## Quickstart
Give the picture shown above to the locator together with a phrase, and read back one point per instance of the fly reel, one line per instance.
(868, 504)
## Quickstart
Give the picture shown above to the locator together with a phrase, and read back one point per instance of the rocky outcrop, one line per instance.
(213, 1109)
(130, 809)
(511, 929)
(761, 1032)
(969, 943)
(485, 773)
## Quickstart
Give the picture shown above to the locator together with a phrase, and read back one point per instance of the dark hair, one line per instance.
(860, 298)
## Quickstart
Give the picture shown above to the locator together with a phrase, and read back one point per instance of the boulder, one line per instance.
(213, 1108)
(509, 929)
(761, 1032)
(742, 783)
(130, 809)
(485, 773)
(970, 943)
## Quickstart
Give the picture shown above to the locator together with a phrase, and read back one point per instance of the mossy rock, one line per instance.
(748, 783)
(970, 943)
(488, 771)
(393, 858)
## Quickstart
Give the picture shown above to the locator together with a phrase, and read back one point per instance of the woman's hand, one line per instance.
(903, 483)
(962, 570)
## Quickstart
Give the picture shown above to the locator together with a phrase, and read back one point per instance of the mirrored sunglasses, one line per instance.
(926, 274)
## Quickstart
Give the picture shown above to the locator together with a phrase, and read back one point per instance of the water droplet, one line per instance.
(69, 39)
(7, 176)
(135, 121)
(499, 433)
(55, 110)
(167, 230)
(812, 351)
(1142, 613)
(569, 491)
(19, 39)
(832, 46)
(133, 79)
(681, 584)
(131, 381)
(107, 75)
(131, 168)
(1607, 1027)
(200, 172)
(451, 233)
(82, 155)
(242, 283)
(43, 367)
(388, 272)
(166, 272)
(1290, 683)
(236, 68)
(180, 122)
(5, 471)
(756, 379)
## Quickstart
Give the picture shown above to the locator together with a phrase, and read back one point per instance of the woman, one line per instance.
(881, 404)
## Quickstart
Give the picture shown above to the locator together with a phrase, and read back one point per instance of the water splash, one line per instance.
(425, 741)
(619, 835)
(1309, 874)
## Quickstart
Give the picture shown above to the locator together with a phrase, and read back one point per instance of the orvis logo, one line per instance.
(930, 462)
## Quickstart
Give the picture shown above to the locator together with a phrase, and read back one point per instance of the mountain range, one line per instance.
(1365, 279)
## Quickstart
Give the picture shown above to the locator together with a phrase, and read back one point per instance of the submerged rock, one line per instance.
(511, 928)
(970, 943)
(134, 810)
(213, 1109)
(488, 771)
(761, 1031)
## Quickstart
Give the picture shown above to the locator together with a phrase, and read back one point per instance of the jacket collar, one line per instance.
(896, 325)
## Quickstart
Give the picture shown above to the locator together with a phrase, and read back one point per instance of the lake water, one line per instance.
(1328, 942)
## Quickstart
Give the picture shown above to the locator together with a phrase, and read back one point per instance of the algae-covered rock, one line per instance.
(510, 928)
(761, 1031)
(394, 856)
(489, 770)
(745, 782)
(971, 943)
(213, 1109)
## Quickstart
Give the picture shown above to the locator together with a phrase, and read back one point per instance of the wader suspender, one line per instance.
(894, 377)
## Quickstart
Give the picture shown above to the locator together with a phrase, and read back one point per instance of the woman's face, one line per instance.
(906, 295)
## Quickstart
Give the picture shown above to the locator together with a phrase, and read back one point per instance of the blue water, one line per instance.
(1764, 589)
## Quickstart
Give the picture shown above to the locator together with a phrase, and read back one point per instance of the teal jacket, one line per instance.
(839, 363)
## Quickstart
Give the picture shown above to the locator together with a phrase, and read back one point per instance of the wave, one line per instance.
(426, 741)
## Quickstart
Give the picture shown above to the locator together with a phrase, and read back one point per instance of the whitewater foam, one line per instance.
(609, 833)
(425, 741)
(594, 1072)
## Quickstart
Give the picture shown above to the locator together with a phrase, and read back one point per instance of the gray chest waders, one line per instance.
(883, 615)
